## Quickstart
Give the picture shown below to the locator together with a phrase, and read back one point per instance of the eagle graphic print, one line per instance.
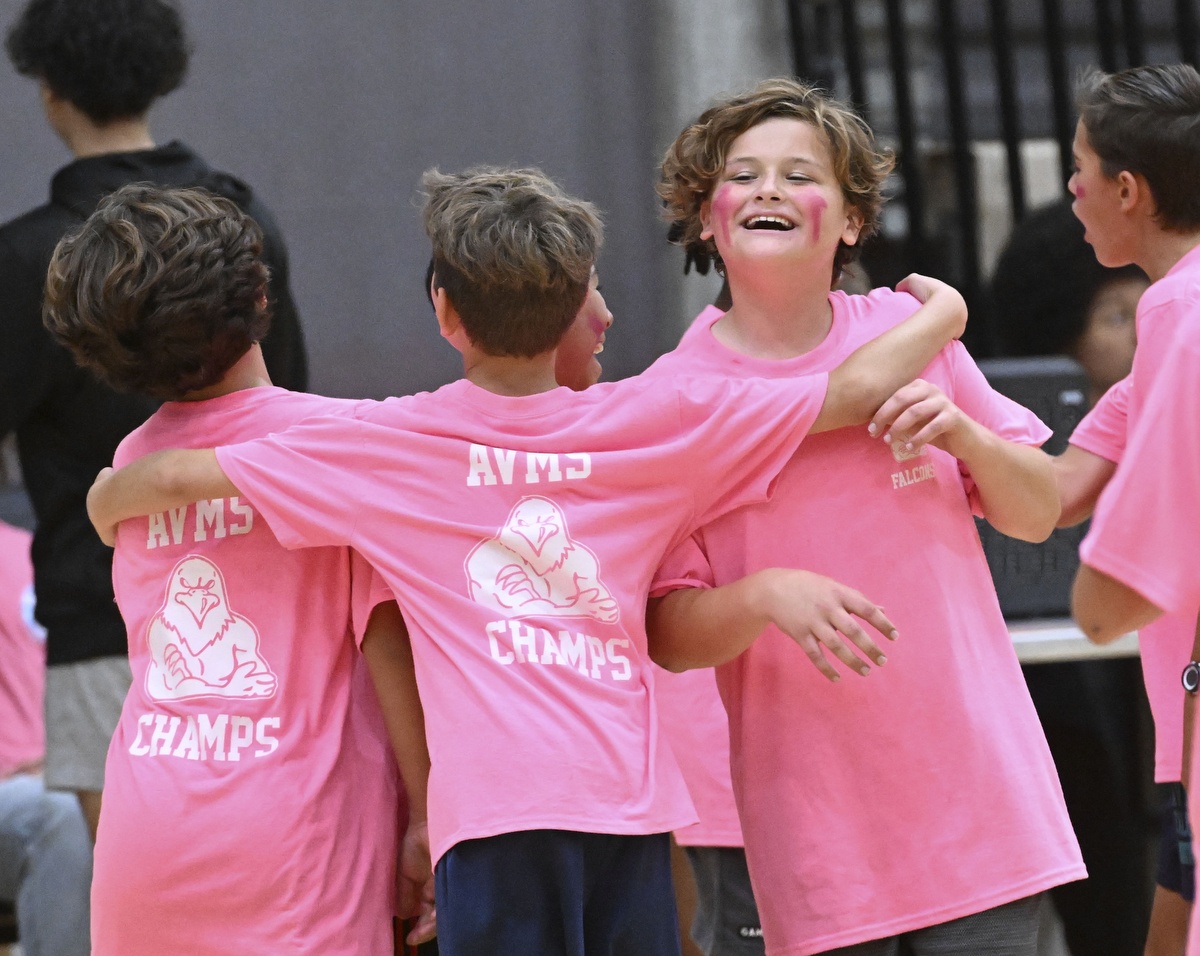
(533, 568)
(198, 646)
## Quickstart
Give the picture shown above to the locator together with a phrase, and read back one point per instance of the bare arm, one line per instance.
(388, 654)
(1106, 609)
(154, 483)
(874, 371)
(698, 627)
(1016, 482)
(1081, 476)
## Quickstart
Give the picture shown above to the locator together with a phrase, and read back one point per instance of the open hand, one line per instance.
(817, 611)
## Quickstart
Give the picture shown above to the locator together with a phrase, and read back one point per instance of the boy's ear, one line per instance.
(706, 230)
(1133, 191)
(854, 224)
(449, 321)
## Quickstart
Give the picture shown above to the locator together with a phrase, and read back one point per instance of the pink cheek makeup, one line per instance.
(814, 208)
(724, 202)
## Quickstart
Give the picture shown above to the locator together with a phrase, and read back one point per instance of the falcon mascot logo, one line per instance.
(532, 568)
(198, 646)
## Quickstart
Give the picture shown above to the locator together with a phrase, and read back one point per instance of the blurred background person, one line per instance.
(99, 66)
(1051, 297)
(45, 852)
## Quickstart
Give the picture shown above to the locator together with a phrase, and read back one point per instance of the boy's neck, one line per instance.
(1161, 250)
(777, 313)
(250, 371)
(509, 374)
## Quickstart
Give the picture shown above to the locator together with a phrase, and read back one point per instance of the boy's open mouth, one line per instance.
(774, 223)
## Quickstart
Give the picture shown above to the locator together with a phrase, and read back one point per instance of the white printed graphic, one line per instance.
(900, 453)
(533, 568)
(198, 646)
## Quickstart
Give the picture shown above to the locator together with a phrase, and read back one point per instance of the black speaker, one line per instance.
(1034, 580)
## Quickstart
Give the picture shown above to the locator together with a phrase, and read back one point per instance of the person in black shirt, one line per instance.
(100, 64)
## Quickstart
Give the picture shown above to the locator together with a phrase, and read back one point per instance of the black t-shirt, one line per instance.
(68, 424)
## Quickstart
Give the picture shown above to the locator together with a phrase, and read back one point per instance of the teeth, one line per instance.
(778, 220)
(598, 349)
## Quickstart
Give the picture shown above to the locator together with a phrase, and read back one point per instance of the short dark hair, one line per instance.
(160, 291)
(1147, 120)
(1045, 283)
(514, 253)
(109, 58)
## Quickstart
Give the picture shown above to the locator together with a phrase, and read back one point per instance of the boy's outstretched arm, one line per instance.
(154, 483)
(1081, 476)
(705, 627)
(874, 371)
(1016, 483)
(389, 658)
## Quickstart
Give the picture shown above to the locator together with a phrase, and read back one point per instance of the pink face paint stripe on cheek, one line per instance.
(724, 203)
(814, 208)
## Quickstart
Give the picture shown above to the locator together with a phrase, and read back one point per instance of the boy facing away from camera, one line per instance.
(1137, 192)
(920, 808)
(251, 802)
(498, 509)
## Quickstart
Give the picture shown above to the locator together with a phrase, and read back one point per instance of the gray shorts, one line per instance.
(1008, 930)
(83, 706)
(726, 921)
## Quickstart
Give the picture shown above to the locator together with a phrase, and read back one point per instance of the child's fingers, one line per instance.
(874, 616)
(857, 636)
(812, 648)
(934, 428)
(425, 928)
(827, 635)
(912, 420)
(890, 410)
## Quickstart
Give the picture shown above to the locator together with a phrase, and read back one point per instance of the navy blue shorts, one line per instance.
(1176, 865)
(557, 893)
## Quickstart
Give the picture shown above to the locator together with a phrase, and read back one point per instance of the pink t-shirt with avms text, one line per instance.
(520, 535)
(22, 657)
(250, 800)
(1165, 645)
(924, 792)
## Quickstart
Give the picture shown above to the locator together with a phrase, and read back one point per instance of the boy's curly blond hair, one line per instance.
(696, 159)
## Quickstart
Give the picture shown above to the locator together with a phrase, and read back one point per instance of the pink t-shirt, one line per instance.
(250, 797)
(22, 657)
(520, 535)
(926, 791)
(694, 720)
(1166, 645)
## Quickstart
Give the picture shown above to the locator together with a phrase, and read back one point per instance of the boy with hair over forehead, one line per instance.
(251, 803)
(1137, 192)
(497, 509)
(782, 184)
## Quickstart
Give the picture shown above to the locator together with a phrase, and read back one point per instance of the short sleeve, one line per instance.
(685, 566)
(1102, 431)
(741, 433)
(1146, 530)
(367, 591)
(302, 479)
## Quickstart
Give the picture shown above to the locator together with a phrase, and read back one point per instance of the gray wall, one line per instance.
(332, 110)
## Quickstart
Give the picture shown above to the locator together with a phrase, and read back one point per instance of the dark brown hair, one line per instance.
(696, 159)
(514, 254)
(160, 291)
(1147, 121)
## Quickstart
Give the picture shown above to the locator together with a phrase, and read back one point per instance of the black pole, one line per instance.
(1010, 123)
(1060, 93)
(1135, 43)
(964, 165)
(852, 52)
(1106, 36)
(907, 160)
(1186, 27)
(800, 64)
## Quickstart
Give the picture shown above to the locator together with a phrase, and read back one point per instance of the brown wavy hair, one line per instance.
(695, 161)
(514, 253)
(160, 291)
